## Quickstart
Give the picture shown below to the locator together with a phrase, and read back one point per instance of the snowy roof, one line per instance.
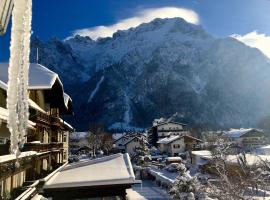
(172, 138)
(173, 159)
(39, 76)
(32, 104)
(4, 116)
(68, 125)
(236, 133)
(67, 98)
(3, 85)
(78, 135)
(250, 158)
(233, 159)
(168, 140)
(169, 122)
(265, 147)
(202, 153)
(110, 170)
(117, 136)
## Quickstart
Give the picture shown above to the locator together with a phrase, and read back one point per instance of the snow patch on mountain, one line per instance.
(93, 93)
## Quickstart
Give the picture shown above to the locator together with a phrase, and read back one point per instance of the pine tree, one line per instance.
(185, 186)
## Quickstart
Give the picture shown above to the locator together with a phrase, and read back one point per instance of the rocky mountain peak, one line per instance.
(158, 69)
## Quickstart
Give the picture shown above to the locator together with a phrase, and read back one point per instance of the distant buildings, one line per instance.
(245, 138)
(46, 146)
(129, 142)
(78, 141)
(175, 145)
(161, 130)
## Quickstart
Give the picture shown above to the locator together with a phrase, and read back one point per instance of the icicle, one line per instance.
(17, 95)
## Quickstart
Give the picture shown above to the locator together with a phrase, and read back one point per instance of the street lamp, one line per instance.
(6, 7)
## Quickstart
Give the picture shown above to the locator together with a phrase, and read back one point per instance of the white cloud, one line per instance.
(142, 16)
(255, 39)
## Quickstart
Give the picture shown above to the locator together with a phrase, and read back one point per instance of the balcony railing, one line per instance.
(40, 117)
(41, 147)
(56, 121)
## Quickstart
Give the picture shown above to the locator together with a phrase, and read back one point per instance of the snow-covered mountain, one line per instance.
(164, 68)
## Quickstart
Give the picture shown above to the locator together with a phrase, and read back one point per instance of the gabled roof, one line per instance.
(39, 76)
(67, 98)
(168, 140)
(3, 85)
(110, 170)
(162, 123)
(237, 133)
(133, 138)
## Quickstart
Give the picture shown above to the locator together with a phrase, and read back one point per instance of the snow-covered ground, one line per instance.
(148, 191)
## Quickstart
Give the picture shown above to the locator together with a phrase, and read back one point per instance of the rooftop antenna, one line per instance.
(37, 55)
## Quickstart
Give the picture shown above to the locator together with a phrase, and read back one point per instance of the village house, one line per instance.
(128, 143)
(205, 161)
(245, 138)
(46, 146)
(78, 141)
(161, 130)
(175, 145)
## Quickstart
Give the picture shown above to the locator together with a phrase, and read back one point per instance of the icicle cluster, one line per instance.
(17, 95)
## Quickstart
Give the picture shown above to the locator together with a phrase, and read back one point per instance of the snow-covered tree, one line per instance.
(142, 153)
(239, 182)
(185, 186)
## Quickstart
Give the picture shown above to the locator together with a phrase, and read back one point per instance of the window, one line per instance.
(2, 140)
(65, 138)
(176, 146)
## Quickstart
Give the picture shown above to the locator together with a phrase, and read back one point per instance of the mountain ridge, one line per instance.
(158, 69)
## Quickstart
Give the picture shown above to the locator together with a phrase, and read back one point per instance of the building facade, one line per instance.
(165, 129)
(46, 146)
(176, 145)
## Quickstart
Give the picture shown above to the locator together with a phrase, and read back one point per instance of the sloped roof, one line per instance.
(39, 76)
(110, 170)
(172, 138)
(168, 140)
(162, 123)
(78, 135)
(67, 98)
(3, 85)
(237, 133)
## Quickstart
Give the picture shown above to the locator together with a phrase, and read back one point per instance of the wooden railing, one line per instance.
(40, 117)
(41, 147)
(56, 121)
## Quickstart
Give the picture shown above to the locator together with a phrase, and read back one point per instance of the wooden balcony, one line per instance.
(41, 147)
(8, 167)
(56, 121)
(41, 118)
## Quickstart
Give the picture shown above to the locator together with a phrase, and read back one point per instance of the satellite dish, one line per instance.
(6, 7)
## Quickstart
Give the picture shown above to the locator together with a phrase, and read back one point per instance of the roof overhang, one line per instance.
(6, 7)
(107, 176)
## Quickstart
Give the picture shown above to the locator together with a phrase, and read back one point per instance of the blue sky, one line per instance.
(248, 19)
